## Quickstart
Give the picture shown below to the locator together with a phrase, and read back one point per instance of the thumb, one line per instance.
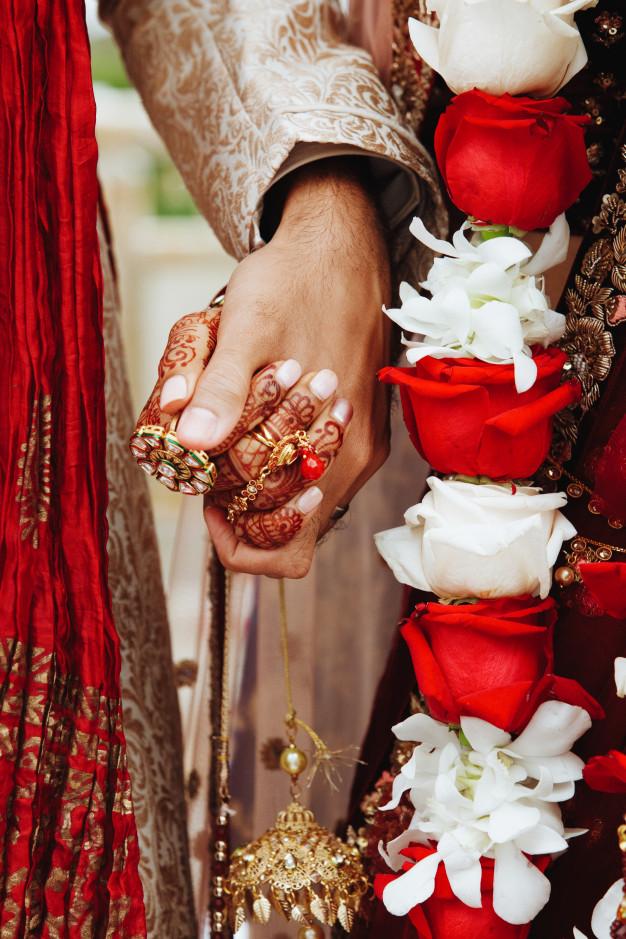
(218, 400)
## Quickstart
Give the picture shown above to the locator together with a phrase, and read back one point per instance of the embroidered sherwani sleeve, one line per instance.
(236, 87)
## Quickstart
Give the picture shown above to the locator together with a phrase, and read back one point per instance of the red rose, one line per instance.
(606, 773)
(512, 161)
(465, 416)
(444, 916)
(492, 659)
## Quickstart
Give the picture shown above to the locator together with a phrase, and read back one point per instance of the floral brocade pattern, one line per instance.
(62, 744)
(147, 685)
(243, 83)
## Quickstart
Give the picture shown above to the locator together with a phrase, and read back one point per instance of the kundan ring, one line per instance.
(159, 453)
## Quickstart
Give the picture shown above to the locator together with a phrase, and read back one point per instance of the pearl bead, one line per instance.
(564, 576)
(311, 932)
(293, 760)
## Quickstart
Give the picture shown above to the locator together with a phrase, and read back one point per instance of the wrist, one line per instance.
(332, 198)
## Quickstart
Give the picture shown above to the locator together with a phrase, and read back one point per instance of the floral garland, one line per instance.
(493, 760)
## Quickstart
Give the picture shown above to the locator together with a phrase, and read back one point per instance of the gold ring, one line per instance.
(263, 435)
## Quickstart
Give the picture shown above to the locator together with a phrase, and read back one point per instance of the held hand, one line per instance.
(313, 294)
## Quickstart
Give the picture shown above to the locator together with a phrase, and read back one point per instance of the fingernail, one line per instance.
(288, 373)
(309, 499)
(174, 389)
(323, 384)
(198, 425)
(342, 411)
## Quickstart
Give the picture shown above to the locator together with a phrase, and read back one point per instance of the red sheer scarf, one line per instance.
(69, 859)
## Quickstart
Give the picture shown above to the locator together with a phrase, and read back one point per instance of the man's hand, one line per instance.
(311, 296)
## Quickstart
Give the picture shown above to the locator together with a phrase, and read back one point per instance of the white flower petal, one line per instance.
(423, 729)
(552, 730)
(510, 820)
(520, 890)
(541, 840)
(489, 280)
(503, 252)
(604, 912)
(553, 248)
(393, 855)
(426, 41)
(465, 883)
(620, 676)
(525, 371)
(419, 230)
(580, 935)
(483, 736)
(401, 549)
(412, 887)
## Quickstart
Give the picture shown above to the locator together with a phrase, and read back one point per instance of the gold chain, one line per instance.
(285, 453)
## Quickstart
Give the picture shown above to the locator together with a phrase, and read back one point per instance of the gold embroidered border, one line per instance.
(50, 729)
(34, 482)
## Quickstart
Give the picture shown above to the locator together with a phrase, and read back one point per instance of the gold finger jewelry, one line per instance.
(159, 453)
(263, 435)
(284, 452)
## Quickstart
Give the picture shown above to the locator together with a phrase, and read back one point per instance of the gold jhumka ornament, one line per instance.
(299, 869)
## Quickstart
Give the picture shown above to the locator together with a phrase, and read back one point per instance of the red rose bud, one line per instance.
(465, 416)
(512, 161)
(492, 659)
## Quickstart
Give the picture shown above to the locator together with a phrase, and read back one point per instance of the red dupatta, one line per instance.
(69, 847)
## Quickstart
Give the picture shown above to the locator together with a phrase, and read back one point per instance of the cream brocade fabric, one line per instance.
(233, 85)
(148, 691)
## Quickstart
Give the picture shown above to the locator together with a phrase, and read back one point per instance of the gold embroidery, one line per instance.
(34, 483)
(411, 77)
(595, 303)
(64, 743)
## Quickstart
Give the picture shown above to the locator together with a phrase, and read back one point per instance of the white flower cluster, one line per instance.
(519, 47)
(479, 793)
(487, 302)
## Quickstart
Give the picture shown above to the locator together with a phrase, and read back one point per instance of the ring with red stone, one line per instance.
(311, 465)
(161, 455)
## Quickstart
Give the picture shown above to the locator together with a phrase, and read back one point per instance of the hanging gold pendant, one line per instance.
(301, 870)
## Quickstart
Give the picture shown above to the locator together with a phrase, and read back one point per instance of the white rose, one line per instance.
(467, 540)
(519, 47)
(620, 676)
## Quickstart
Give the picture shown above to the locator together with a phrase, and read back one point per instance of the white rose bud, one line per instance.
(467, 540)
(519, 47)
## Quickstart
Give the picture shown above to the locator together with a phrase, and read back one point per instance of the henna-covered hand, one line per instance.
(189, 347)
(313, 294)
